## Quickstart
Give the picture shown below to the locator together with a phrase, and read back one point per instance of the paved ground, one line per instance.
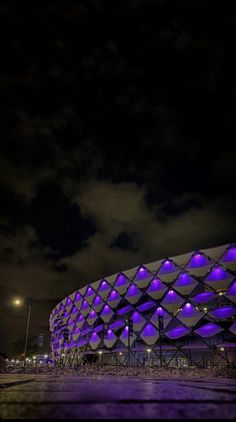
(43, 396)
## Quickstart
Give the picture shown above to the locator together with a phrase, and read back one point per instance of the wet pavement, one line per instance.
(43, 396)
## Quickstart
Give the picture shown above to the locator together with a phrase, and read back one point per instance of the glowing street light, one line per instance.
(19, 302)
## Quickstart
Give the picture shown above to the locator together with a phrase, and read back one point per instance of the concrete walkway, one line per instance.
(43, 396)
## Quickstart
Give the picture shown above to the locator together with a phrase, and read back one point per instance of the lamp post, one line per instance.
(19, 302)
(100, 357)
(161, 329)
(149, 355)
(129, 327)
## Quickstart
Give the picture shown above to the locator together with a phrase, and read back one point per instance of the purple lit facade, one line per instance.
(198, 260)
(193, 308)
(230, 255)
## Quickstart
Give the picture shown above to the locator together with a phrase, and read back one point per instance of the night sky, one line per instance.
(117, 142)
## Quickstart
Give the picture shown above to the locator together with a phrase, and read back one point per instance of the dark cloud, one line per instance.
(58, 223)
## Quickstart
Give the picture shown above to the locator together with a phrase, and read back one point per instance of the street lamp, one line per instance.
(19, 302)
(100, 357)
(149, 354)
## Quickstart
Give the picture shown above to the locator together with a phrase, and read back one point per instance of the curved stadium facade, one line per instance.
(176, 311)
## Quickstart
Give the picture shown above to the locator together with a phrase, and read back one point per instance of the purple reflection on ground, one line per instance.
(232, 289)
(149, 331)
(142, 273)
(167, 267)
(124, 310)
(132, 291)
(184, 279)
(97, 301)
(146, 306)
(218, 274)
(198, 260)
(225, 312)
(177, 332)
(208, 330)
(156, 285)
(230, 254)
(121, 280)
(204, 297)
(113, 296)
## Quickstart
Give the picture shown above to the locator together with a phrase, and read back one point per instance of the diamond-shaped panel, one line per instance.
(218, 278)
(160, 312)
(156, 288)
(189, 315)
(106, 313)
(172, 301)
(122, 283)
(142, 277)
(138, 321)
(229, 258)
(113, 298)
(133, 294)
(149, 334)
(231, 292)
(209, 330)
(185, 284)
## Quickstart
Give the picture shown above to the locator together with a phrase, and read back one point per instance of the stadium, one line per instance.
(178, 311)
